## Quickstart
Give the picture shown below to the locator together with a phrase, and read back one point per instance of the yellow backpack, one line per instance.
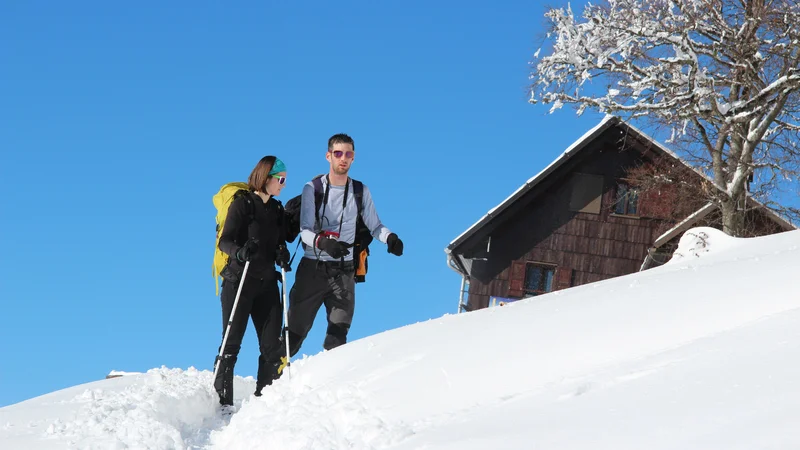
(222, 201)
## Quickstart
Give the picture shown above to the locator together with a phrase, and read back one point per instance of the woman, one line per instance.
(253, 232)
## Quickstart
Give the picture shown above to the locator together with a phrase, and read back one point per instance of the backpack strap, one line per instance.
(281, 221)
(363, 236)
(248, 202)
(358, 193)
(318, 198)
(250, 211)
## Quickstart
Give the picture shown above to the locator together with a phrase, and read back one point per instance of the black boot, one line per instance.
(336, 336)
(262, 377)
(268, 371)
(224, 381)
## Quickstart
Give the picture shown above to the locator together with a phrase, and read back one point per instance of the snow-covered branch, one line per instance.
(726, 72)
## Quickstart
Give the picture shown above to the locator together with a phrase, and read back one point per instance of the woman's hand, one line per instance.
(247, 251)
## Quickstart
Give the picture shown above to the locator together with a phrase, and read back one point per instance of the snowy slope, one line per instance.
(700, 353)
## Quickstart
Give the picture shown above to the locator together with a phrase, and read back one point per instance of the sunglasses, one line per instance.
(338, 154)
(281, 180)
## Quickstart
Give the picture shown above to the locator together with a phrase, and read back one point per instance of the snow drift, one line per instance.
(699, 353)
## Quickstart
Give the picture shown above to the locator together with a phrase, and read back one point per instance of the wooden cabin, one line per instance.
(579, 221)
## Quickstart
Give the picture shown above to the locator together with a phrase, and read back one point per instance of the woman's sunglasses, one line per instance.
(338, 154)
(281, 180)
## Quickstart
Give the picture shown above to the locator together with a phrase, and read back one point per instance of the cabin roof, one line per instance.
(575, 148)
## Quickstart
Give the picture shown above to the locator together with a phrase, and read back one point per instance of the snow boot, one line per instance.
(335, 336)
(223, 384)
(267, 373)
(227, 411)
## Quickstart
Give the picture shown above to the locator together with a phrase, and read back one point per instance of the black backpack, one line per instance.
(363, 237)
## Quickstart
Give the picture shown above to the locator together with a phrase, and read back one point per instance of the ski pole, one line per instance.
(230, 319)
(285, 316)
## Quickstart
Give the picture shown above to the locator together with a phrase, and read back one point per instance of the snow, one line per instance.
(700, 353)
(121, 373)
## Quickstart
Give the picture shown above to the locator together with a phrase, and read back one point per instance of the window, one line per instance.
(627, 202)
(538, 279)
(527, 279)
(587, 193)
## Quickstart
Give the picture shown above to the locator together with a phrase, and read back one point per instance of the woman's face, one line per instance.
(276, 184)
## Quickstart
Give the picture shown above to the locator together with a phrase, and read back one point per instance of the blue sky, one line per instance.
(119, 121)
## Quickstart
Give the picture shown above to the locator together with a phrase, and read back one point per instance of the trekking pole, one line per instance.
(230, 319)
(285, 316)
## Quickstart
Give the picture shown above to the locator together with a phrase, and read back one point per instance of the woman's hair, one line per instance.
(260, 174)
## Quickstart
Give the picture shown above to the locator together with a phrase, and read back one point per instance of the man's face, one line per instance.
(341, 156)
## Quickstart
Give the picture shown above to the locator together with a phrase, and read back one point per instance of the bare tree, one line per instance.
(722, 75)
(669, 189)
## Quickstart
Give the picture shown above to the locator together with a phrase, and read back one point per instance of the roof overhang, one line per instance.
(684, 224)
(696, 216)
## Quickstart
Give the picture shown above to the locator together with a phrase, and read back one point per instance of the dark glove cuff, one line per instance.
(319, 240)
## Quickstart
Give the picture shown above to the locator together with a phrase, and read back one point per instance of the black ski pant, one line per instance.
(259, 301)
(317, 283)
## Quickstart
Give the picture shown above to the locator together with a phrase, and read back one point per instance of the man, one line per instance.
(325, 274)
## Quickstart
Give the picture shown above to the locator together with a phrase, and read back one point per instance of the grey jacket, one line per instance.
(334, 216)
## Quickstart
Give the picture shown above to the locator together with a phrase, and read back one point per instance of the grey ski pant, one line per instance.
(317, 283)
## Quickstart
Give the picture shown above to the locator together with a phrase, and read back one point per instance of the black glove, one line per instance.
(333, 247)
(282, 258)
(394, 245)
(247, 251)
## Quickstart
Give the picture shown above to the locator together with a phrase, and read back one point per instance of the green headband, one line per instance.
(278, 167)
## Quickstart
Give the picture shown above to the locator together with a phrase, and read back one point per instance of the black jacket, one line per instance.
(259, 220)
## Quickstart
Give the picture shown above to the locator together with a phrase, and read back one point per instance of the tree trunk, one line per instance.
(732, 218)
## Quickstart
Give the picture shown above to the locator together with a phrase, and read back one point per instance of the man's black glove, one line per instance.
(333, 247)
(282, 258)
(394, 245)
(247, 251)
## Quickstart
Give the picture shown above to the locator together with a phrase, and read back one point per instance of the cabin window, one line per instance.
(538, 279)
(527, 279)
(627, 202)
(587, 193)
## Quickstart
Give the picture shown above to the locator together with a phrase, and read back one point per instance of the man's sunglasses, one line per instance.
(281, 180)
(338, 154)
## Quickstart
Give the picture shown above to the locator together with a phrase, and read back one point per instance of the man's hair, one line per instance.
(340, 138)
(260, 175)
